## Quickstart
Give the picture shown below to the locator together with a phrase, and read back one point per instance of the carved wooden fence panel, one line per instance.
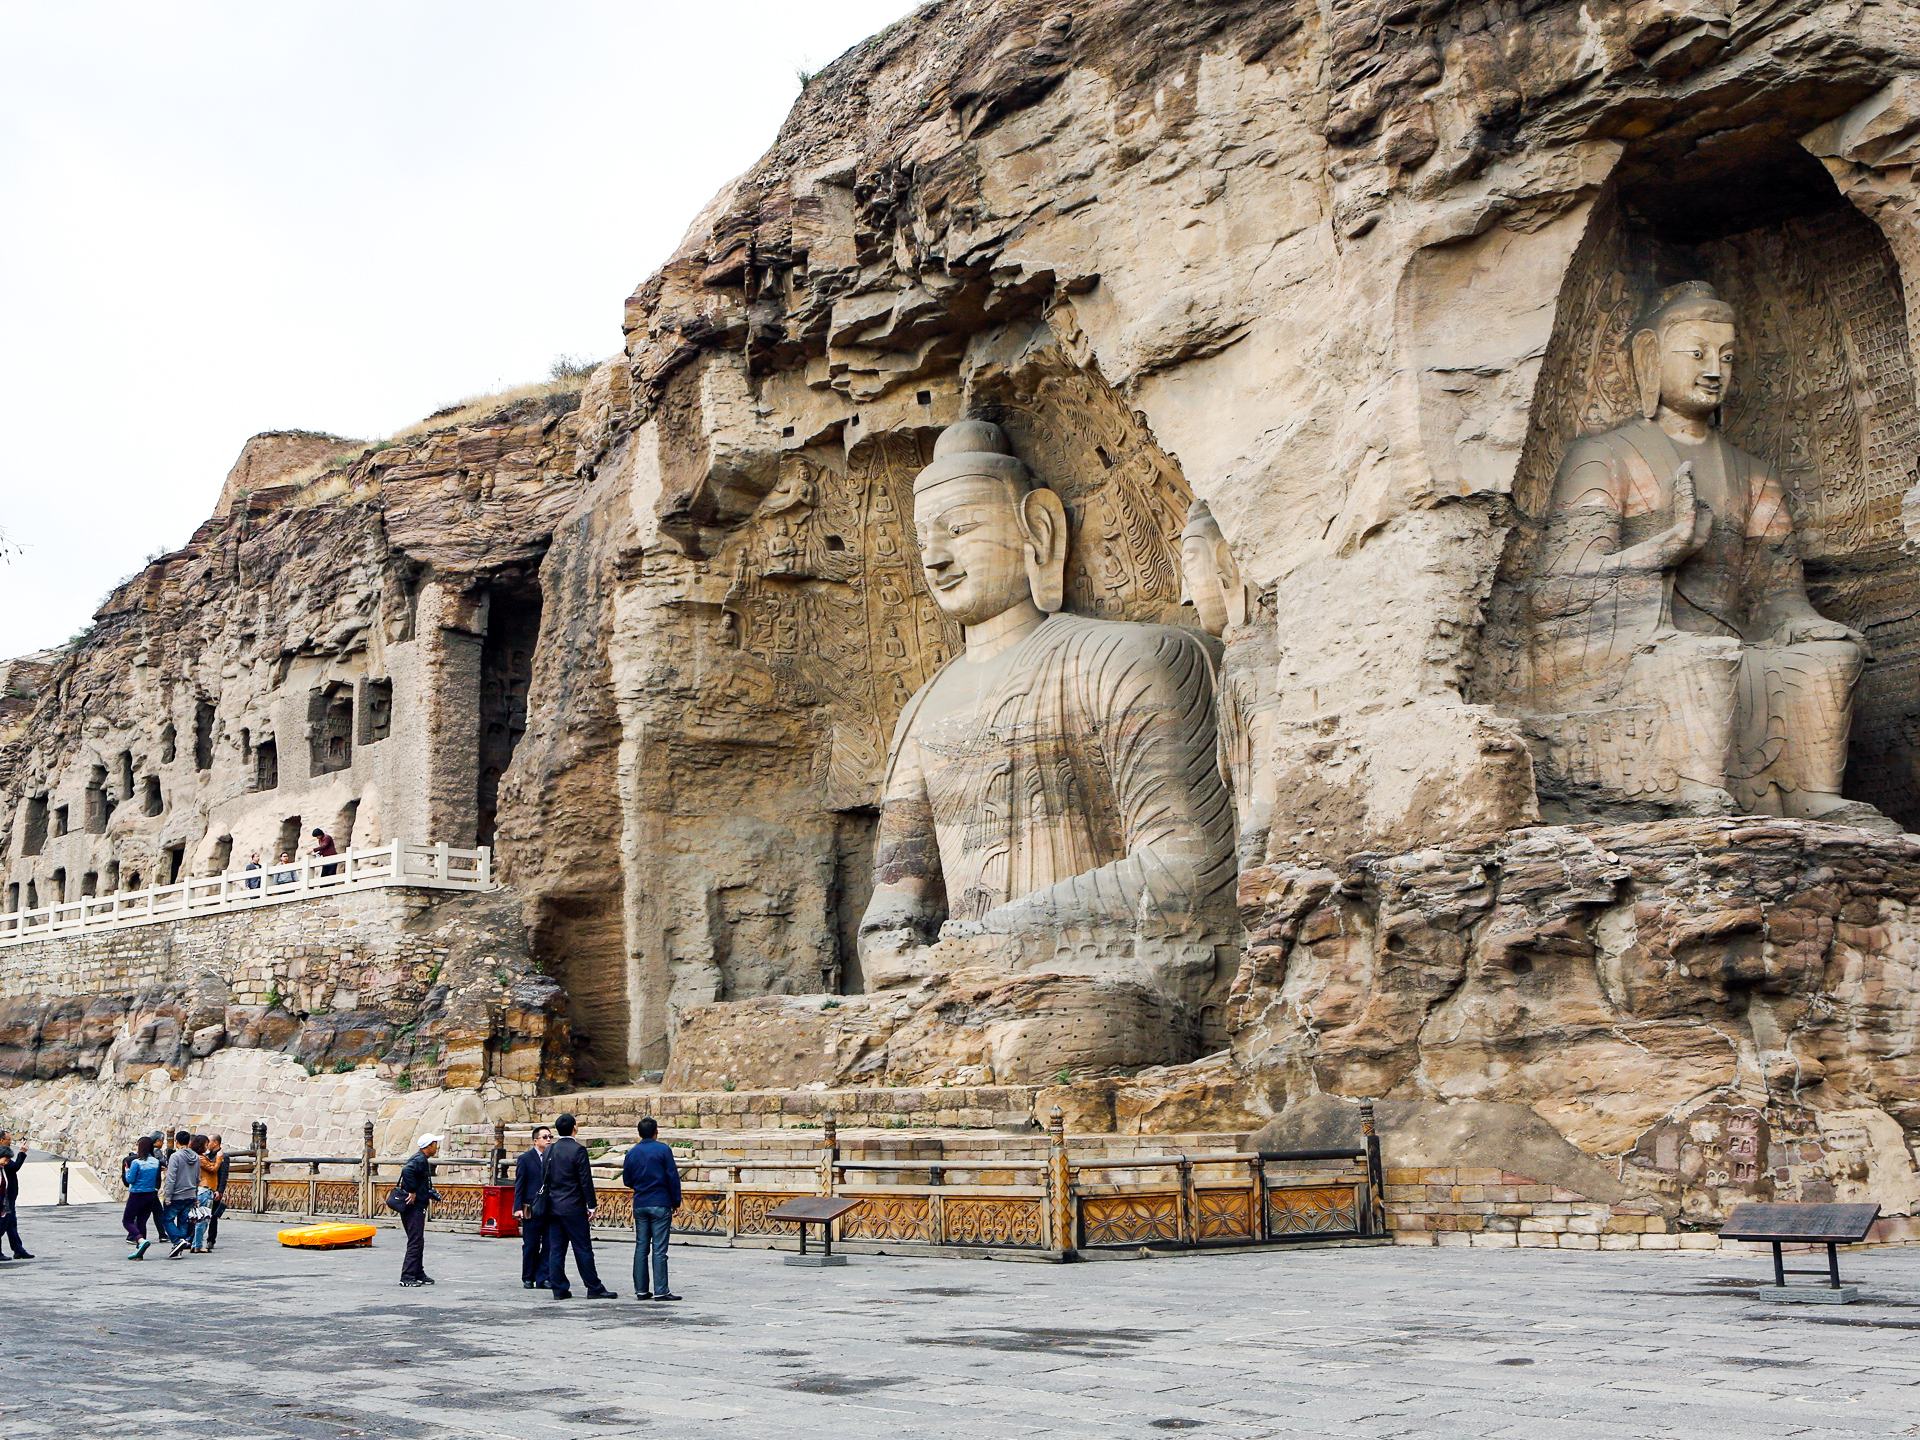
(1057, 1205)
(1315, 1210)
(701, 1212)
(336, 1197)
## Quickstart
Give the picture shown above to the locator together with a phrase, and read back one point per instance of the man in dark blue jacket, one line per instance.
(654, 1176)
(571, 1205)
(529, 1174)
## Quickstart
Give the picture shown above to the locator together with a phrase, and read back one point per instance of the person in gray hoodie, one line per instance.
(178, 1192)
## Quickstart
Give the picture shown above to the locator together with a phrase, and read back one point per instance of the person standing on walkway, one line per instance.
(209, 1190)
(571, 1206)
(178, 1192)
(10, 1161)
(140, 1173)
(417, 1192)
(529, 1177)
(222, 1166)
(323, 845)
(253, 863)
(653, 1175)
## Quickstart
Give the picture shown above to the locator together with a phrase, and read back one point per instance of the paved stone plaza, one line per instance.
(259, 1340)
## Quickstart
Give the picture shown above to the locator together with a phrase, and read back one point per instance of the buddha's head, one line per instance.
(1208, 574)
(989, 537)
(1683, 352)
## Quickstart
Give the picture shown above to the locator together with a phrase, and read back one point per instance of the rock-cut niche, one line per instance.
(1822, 392)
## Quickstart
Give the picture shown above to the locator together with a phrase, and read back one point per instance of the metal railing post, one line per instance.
(1257, 1185)
(259, 1167)
(829, 1167)
(1059, 1183)
(366, 1170)
(499, 1152)
(1376, 1178)
(1189, 1225)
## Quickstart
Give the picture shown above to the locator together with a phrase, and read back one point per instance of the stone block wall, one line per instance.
(394, 990)
(883, 1108)
(354, 947)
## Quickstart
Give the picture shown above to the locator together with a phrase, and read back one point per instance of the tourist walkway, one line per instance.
(425, 867)
(1410, 1343)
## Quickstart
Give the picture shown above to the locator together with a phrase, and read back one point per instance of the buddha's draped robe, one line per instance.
(1080, 786)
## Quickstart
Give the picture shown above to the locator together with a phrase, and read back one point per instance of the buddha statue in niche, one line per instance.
(1674, 646)
(1060, 774)
(1210, 581)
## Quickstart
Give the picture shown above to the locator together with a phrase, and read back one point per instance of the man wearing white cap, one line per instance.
(415, 1191)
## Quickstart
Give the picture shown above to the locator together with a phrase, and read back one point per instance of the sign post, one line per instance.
(1828, 1225)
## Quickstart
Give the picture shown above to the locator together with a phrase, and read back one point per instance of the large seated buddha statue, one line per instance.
(1059, 776)
(1676, 658)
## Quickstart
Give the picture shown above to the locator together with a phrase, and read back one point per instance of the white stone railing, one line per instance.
(427, 867)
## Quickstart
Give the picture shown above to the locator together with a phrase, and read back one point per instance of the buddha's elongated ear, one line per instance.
(1646, 371)
(1044, 519)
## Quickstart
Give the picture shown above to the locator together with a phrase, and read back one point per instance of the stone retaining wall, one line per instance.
(883, 1108)
(356, 942)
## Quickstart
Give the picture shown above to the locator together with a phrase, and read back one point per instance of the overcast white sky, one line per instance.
(224, 216)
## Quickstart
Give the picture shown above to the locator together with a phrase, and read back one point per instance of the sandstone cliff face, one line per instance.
(1723, 1009)
(343, 646)
(1355, 277)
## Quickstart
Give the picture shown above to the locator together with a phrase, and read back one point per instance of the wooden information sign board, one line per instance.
(1828, 1225)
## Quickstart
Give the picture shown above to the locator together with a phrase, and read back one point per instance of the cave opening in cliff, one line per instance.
(376, 711)
(1822, 392)
(59, 883)
(89, 884)
(60, 813)
(506, 674)
(203, 716)
(99, 805)
(125, 763)
(288, 840)
(222, 855)
(151, 802)
(343, 824)
(113, 877)
(13, 896)
(330, 718)
(266, 765)
(176, 864)
(33, 838)
(167, 743)
(33, 896)
(580, 940)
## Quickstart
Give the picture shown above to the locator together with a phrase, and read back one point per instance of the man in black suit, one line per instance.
(529, 1174)
(571, 1205)
(10, 1163)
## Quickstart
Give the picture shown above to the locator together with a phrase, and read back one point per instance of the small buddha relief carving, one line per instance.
(1676, 658)
(1248, 697)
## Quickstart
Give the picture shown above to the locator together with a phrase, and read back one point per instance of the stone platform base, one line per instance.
(966, 1107)
(1808, 1295)
(816, 1261)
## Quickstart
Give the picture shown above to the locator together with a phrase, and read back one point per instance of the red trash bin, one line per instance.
(496, 1212)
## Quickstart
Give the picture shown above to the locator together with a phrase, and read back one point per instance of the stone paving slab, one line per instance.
(259, 1342)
